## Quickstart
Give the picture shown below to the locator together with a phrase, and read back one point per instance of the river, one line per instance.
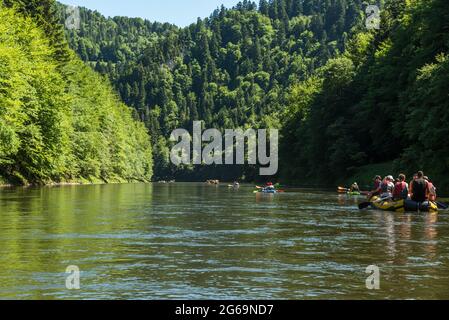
(194, 241)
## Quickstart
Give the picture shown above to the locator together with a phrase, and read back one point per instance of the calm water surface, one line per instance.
(192, 241)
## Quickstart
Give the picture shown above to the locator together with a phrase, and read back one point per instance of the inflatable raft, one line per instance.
(403, 205)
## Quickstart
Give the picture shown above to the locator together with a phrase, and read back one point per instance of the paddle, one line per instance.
(277, 185)
(442, 206)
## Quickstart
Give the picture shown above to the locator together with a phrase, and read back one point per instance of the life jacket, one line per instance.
(386, 187)
(376, 185)
(400, 190)
(432, 191)
(420, 189)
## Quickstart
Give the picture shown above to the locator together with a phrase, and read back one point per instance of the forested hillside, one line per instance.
(109, 44)
(59, 120)
(346, 99)
(385, 100)
(230, 70)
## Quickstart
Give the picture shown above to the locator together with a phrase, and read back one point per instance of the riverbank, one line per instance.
(5, 183)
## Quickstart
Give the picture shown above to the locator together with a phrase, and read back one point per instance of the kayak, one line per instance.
(403, 205)
(266, 191)
(347, 191)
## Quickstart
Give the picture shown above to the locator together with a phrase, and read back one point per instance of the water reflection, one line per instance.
(404, 230)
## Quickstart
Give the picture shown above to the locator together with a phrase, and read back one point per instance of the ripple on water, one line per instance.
(190, 241)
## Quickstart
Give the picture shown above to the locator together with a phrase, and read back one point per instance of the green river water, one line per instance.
(194, 241)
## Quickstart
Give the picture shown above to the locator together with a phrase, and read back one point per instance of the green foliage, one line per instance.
(230, 70)
(384, 101)
(364, 175)
(59, 120)
(348, 100)
(43, 12)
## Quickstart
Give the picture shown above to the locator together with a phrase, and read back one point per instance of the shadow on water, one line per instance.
(144, 241)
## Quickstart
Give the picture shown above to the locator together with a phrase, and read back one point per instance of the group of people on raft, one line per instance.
(420, 189)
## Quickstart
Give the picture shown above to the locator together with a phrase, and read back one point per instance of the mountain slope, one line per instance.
(230, 70)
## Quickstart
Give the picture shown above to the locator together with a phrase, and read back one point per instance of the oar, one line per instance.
(343, 190)
(442, 206)
(276, 186)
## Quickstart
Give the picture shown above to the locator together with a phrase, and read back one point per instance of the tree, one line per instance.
(59, 121)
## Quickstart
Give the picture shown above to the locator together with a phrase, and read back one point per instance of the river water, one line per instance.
(194, 241)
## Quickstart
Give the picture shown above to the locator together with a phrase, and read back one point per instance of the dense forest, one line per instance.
(349, 101)
(383, 101)
(233, 69)
(59, 120)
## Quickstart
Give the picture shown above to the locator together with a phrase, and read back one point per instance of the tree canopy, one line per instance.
(383, 100)
(343, 96)
(59, 120)
(230, 70)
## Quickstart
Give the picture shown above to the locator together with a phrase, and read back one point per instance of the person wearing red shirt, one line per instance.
(400, 189)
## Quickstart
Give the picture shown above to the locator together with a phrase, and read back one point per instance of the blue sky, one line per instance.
(179, 12)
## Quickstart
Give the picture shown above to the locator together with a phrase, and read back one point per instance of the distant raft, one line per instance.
(343, 190)
(403, 205)
(265, 191)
